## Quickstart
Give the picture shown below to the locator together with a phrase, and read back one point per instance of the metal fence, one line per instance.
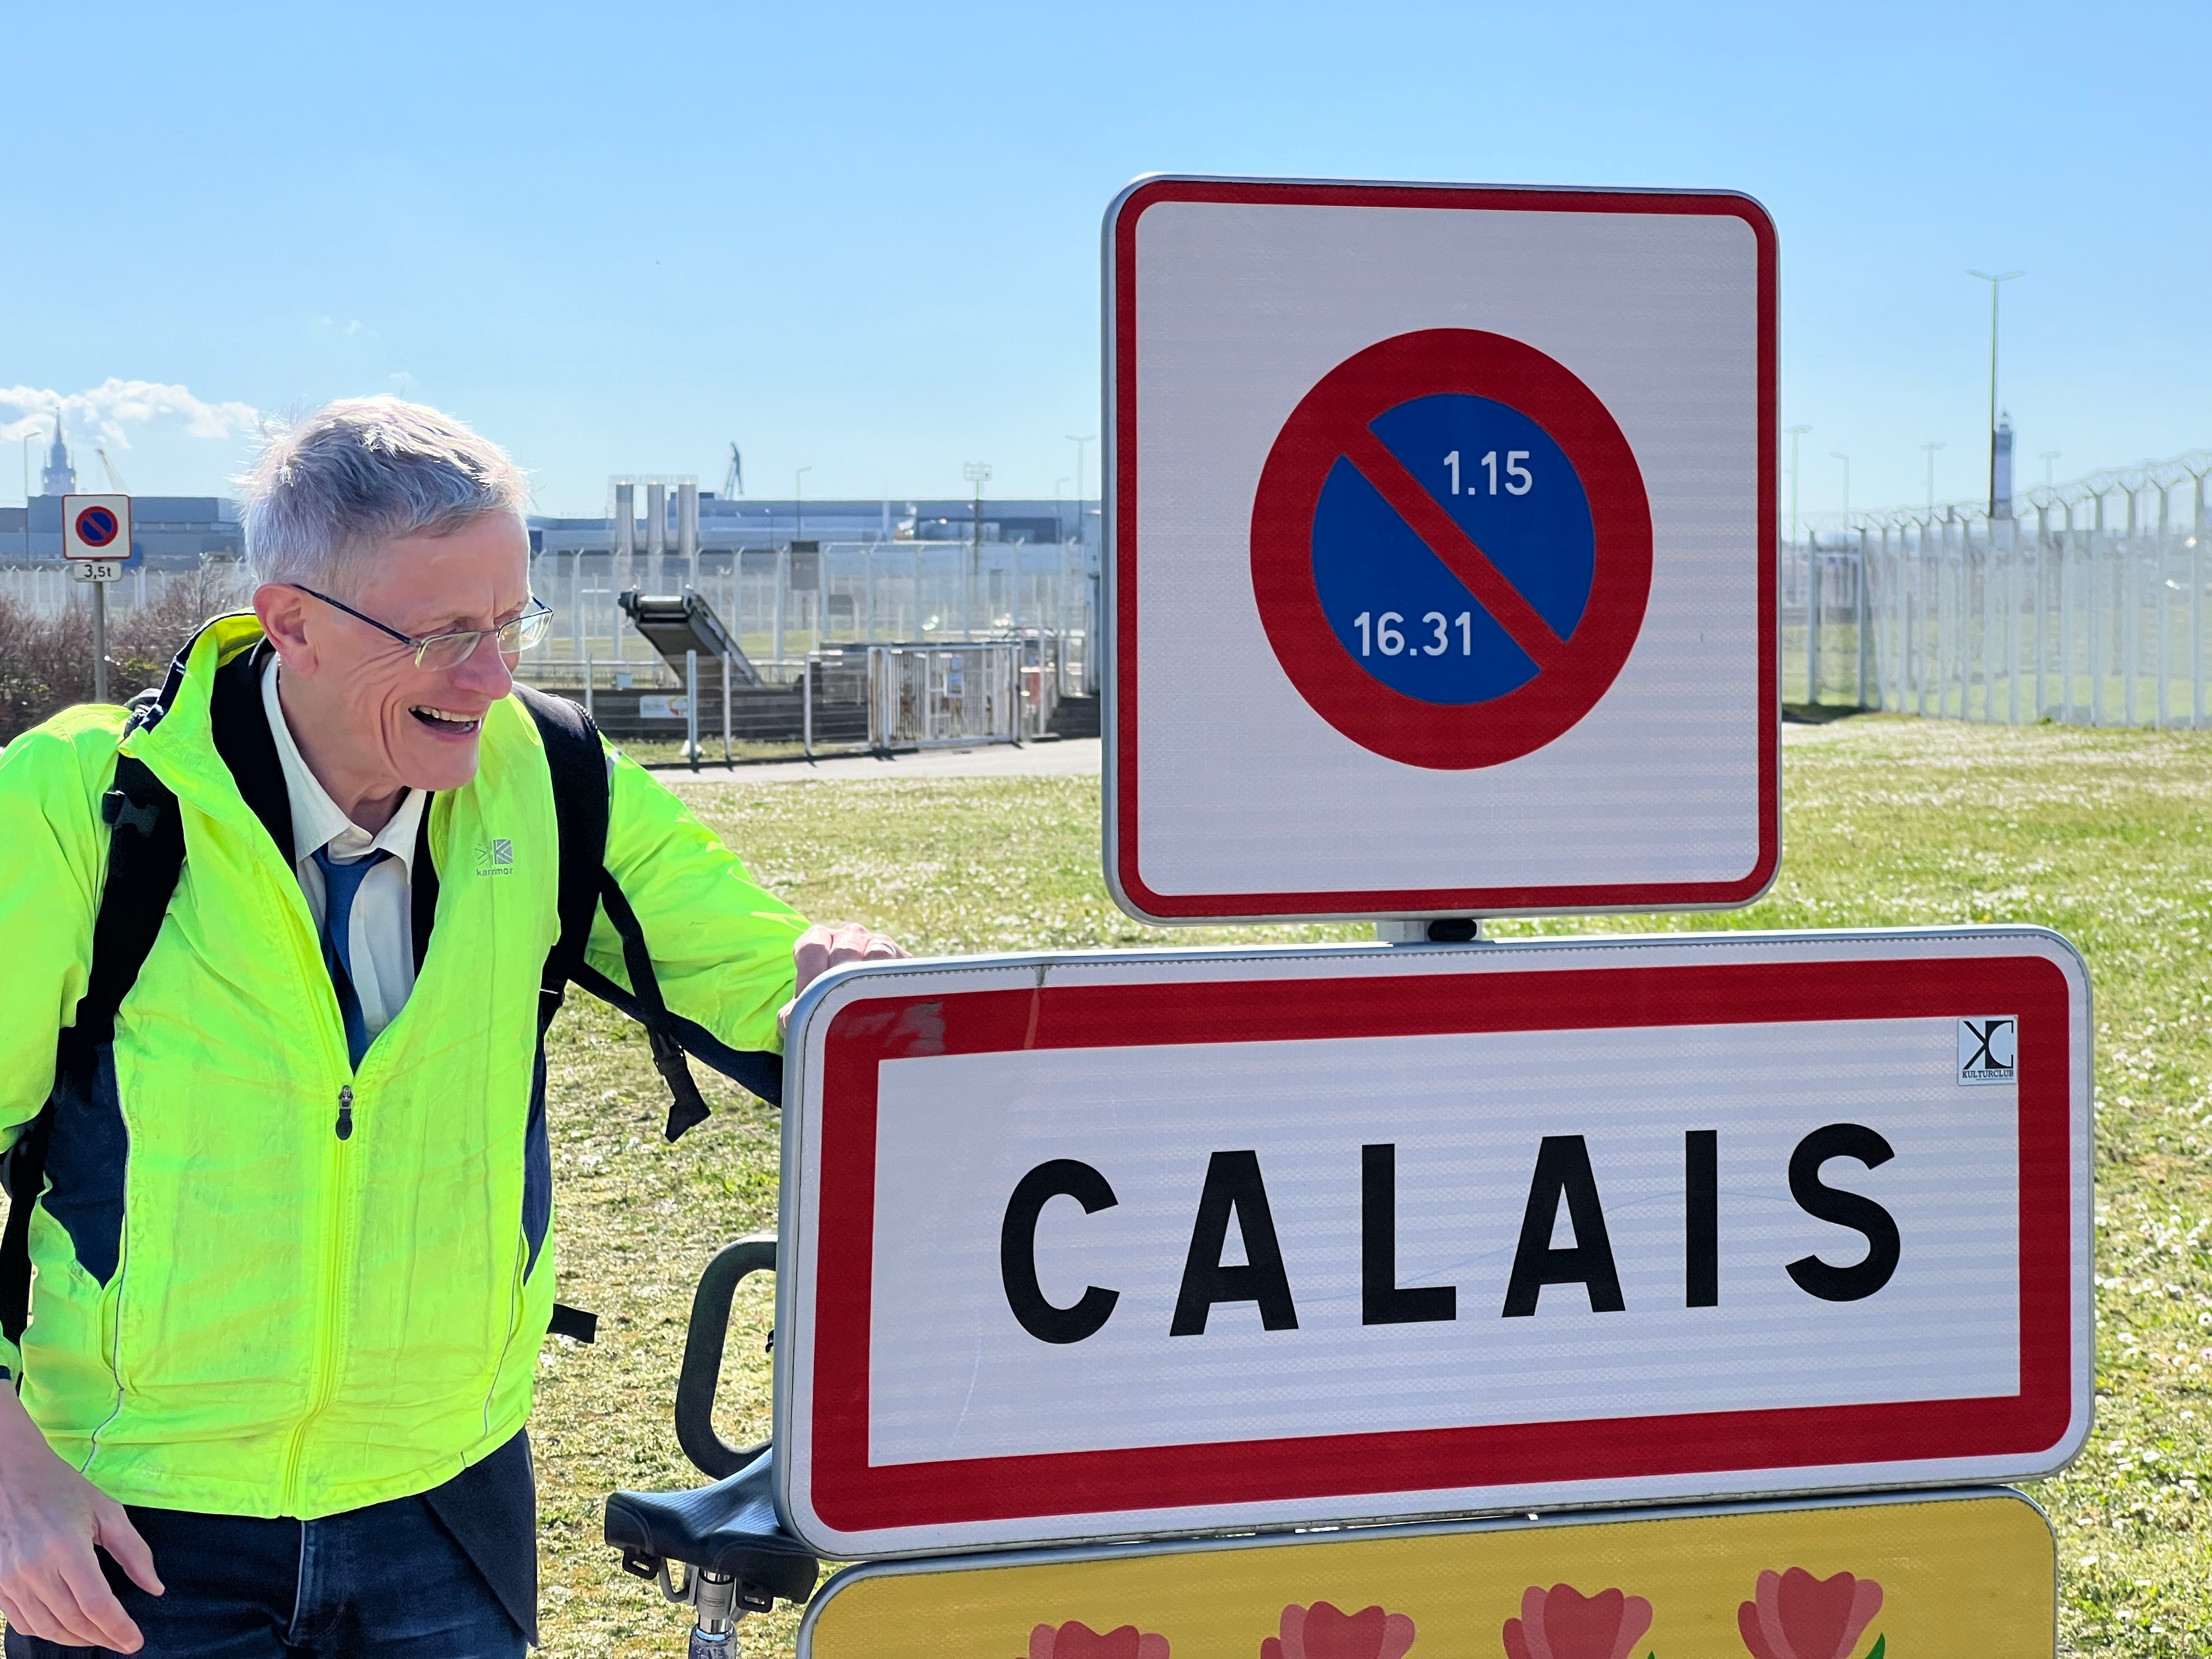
(934, 696)
(2088, 607)
(784, 603)
(844, 699)
(47, 590)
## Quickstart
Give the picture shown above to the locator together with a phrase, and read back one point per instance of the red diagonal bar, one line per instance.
(1442, 532)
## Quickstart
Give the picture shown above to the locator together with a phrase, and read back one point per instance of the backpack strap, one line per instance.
(578, 763)
(145, 854)
(686, 1107)
(579, 769)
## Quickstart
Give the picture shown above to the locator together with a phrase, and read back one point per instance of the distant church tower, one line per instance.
(59, 478)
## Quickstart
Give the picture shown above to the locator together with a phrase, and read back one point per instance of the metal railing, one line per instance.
(2088, 607)
(931, 696)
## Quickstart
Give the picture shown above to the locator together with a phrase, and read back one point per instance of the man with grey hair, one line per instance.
(277, 1141)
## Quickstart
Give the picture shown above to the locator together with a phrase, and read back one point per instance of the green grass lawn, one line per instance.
(2101, 834)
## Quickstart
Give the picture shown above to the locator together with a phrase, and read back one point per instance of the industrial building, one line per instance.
(166, 531)
(791, 579)
(791, 588)
(727, 525)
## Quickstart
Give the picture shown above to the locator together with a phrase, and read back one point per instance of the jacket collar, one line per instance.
(248, 748)
(212, 746)
(176, 739)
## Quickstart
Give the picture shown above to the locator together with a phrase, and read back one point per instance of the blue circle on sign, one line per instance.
(1395, 606)
(96, 526)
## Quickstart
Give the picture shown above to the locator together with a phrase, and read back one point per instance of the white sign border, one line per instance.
(115, 503)
(1586, 901)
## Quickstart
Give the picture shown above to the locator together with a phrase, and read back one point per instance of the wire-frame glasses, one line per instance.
(436, 652)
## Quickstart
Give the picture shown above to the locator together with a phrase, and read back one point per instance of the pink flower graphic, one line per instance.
(1798, 1616)
(1562, 1623)
(1076, 1640)
(1322, 1632)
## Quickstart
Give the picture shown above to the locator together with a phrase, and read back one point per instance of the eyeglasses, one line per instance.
(435, 652)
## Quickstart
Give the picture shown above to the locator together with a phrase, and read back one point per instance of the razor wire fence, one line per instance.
(2088, 605)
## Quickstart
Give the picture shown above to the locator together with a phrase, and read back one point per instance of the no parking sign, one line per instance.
(1441, 528)
(96, 528)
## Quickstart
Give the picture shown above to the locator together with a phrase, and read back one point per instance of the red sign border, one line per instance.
(1124, 712)
(853, 1497)
(1376, 716)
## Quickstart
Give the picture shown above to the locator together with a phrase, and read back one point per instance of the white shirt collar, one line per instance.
(317, 820)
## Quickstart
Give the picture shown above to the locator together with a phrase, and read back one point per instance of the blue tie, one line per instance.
(340, 883)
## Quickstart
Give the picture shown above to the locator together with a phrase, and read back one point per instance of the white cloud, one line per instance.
(108, 411)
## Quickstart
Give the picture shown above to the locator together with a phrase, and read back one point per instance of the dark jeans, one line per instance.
(387, 1582)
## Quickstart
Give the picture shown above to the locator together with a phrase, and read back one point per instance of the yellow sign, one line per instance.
(1922, 1577)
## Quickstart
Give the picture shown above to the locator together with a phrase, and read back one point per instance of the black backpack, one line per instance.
(146, 853)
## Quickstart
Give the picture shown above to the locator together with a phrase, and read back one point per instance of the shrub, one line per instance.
(45, 661)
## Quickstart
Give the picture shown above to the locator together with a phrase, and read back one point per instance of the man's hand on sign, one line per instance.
(830, 944)
(50, 1520)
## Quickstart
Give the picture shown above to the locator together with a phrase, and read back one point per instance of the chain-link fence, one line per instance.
(2088, 606)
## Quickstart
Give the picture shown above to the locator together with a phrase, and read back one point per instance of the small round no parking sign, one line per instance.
(1451, 549)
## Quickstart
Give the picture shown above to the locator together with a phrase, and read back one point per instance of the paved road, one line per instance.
(1066, 758)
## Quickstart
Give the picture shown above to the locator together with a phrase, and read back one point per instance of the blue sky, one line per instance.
(863, 239)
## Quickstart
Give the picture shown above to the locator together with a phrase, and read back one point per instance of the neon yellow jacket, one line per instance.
(242, 1313)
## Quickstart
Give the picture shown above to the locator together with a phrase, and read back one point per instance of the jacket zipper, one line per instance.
(338, 1214)
(336, 1256)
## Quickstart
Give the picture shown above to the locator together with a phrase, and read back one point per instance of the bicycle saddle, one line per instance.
(729, 1528)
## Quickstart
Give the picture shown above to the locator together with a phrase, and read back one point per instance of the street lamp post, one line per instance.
(783, 564)
(1929, 451)
(1079, 443)
(2046, 457)
(977, 473)
(1816, 616)
(1796, 432)
(1082, 566)
(1994, 283)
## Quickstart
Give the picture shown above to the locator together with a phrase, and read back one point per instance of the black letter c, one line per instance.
(1063, 1178)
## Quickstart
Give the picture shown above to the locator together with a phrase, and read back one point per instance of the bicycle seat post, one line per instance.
(714, 1596)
